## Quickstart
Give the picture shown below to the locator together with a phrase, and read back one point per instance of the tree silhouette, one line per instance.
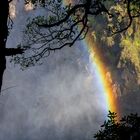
(127, 129)
(4, 14)
(62, 26)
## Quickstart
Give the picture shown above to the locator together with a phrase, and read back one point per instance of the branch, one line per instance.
(70, 12)
(129, 16)
(13, 51)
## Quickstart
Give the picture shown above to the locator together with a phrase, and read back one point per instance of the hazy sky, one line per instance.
(58, 100)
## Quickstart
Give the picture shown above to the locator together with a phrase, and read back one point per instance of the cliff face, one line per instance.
(123, 71)
(126, 79)
(122, 56)
(129, 80)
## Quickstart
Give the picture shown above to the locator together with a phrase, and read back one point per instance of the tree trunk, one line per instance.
(4, 13)
(4, 10)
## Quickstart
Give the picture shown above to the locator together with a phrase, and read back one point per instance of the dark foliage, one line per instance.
(128, 128)
(67, 22)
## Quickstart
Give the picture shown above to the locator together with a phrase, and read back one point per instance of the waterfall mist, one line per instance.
(58, 100)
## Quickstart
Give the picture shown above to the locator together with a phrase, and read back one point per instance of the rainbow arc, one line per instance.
(102, 74)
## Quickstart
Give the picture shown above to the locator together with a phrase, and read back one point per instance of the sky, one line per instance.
(58, 100)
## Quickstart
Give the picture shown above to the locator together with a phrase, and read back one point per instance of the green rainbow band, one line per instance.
(104, 76)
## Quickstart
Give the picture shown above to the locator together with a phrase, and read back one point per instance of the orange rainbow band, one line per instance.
(104, 76)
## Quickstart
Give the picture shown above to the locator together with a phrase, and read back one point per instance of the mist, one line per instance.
(58, 100)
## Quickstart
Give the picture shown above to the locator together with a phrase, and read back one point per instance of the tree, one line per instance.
(127, 129)
(4, 14)
(63, 25)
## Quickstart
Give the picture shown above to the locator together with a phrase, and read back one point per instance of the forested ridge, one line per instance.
(122, 53)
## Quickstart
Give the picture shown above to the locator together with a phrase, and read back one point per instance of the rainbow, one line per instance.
(103, 75)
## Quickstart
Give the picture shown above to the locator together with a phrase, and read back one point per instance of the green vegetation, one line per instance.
(128, 128)
(131, 48)
(122, 50)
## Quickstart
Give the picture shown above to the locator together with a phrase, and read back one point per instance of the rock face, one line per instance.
(125, 77)
(121, 54)
(128, 81)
